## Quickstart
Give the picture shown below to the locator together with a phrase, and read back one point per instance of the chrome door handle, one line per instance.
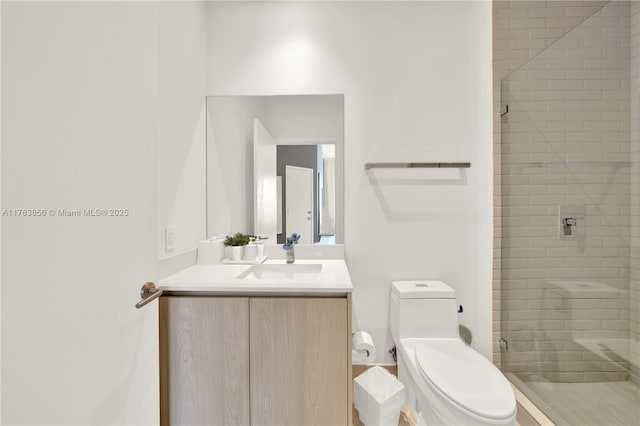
(148, 293)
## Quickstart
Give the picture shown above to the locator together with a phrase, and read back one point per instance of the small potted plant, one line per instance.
(237, 242)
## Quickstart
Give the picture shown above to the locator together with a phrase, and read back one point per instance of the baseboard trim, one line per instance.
(528, 413)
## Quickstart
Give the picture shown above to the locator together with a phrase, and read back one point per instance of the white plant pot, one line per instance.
(236, 252)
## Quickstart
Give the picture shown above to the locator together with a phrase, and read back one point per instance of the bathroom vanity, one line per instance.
(265, 344)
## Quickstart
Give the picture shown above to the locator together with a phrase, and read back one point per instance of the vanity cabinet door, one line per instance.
(204, 361)
(299, 363)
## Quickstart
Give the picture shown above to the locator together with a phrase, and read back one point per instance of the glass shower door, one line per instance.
(571, 225)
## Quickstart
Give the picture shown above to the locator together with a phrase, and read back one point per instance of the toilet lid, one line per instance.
(465, 377)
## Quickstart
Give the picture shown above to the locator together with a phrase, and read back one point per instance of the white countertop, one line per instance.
(333, 278)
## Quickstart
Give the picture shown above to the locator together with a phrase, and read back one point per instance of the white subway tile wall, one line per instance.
(515, 23)
(565, 146)
(634, 290)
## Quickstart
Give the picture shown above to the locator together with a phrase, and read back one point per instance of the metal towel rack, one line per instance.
(368, 166)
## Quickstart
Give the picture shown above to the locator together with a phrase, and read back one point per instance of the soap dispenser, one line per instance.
(250, 251)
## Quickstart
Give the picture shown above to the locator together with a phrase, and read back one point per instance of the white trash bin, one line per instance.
(378, 397)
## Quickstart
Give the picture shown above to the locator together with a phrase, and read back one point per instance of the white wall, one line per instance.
(305, 117)
(230, 162)
(181, 124)
(0, 220)
(79, 131)
(98, 98)
(417, 83)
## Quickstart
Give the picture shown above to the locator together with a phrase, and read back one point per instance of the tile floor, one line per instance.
(602, 403)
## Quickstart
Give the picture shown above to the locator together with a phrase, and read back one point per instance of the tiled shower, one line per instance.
(569, 211)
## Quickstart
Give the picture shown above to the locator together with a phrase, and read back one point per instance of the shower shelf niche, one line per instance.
(580, 164)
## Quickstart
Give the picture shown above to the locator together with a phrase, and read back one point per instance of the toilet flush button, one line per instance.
(422, 285)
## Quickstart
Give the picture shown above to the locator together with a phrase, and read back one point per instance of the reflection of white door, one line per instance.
(265, 191)
(299, 202)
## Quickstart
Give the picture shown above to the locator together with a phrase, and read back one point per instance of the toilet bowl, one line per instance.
(446, 381)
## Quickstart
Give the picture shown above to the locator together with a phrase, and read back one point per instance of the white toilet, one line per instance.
(446, 381)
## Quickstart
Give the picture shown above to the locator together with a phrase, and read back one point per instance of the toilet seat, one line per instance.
(465, 378)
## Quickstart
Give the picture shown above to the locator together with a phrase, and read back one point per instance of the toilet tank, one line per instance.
(423, 308)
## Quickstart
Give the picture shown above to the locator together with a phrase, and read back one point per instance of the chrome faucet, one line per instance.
(288, 246)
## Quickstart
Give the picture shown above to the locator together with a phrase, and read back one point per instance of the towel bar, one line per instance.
(368, 166)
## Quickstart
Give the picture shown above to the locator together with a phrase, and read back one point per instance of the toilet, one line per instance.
(446, 381)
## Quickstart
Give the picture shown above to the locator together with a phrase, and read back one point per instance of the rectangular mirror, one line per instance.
(275, 166)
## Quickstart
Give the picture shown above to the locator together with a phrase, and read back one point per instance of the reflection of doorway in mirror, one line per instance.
(317, 157)
(299, 202)
(279, 210)
(247, 136)
(327, 193)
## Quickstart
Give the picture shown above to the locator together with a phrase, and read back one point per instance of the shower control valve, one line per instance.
(568, 224)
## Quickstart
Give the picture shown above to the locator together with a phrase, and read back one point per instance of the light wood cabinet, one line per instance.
(204, 361)
(298, 361)
(255, 360)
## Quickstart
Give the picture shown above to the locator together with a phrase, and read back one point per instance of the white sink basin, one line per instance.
(313, 276)
(302, 272)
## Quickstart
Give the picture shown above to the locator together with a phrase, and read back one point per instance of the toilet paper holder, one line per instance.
(363, 350)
